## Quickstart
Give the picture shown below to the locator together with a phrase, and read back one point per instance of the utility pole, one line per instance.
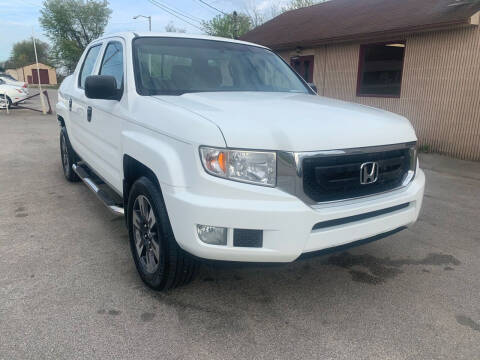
(235, 25)
(44, 111)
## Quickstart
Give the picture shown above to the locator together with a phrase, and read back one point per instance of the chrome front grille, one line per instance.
(325, 176)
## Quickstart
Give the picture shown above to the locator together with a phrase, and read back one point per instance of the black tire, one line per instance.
(8, 100)
(67, 156)
(175, 267)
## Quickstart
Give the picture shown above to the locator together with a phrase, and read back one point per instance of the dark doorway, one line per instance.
(303, 65)
(44, 79)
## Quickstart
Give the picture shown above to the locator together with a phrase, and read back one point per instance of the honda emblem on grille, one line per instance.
(368, 173)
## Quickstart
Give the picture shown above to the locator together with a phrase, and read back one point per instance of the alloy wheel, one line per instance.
(65, 160)
(145, 234)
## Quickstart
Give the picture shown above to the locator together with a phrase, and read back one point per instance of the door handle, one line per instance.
(89, 114)
(70, 104)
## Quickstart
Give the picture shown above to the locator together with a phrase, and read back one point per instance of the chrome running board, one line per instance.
(107, 196)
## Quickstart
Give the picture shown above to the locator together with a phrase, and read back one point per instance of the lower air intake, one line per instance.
(248, 238)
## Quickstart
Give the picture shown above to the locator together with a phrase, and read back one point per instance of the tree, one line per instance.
(170, 27)
(297, 4)
(259, 14)
(23, 53)
(71, 25)
(231, 25)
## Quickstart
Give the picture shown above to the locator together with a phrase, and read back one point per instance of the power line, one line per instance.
(174, 13)
(181, 12)
(212, 7)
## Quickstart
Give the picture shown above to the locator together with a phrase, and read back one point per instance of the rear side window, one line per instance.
(112, 63)
(88, 65)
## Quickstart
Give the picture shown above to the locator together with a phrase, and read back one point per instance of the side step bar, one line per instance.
(109, 198)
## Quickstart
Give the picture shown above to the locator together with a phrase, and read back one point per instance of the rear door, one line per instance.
(80, 132)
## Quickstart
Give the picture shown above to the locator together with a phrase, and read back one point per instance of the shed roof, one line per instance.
(344, 20)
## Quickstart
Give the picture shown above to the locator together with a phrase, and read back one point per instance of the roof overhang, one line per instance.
(474, 20)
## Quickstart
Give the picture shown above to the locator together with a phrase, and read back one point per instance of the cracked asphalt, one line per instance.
(69, 288)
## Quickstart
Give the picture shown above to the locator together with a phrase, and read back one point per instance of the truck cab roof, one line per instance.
(129, 35)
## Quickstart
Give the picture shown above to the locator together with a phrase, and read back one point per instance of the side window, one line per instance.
(112, 63)
(88, 64)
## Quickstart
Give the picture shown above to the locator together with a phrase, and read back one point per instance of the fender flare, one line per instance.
(163, 155)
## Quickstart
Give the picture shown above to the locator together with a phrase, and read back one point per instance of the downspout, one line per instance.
(324, 68)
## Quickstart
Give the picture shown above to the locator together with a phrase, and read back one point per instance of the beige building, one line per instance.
(417, 58)
(29, 74)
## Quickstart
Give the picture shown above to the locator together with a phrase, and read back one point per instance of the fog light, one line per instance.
(212, 235)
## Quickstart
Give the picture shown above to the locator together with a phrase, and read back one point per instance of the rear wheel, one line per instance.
(161, 263)
(68, 156)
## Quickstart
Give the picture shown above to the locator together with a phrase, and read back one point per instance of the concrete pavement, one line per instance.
(69, 288)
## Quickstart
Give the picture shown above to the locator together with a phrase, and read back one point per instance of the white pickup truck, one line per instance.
(215, 148)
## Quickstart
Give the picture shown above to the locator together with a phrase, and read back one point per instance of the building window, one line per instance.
(380, 69)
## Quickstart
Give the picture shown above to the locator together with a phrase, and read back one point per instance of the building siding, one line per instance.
(21, 74)
(440, 86)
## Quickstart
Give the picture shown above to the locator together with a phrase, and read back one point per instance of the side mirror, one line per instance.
(102, 87)
(313, 87)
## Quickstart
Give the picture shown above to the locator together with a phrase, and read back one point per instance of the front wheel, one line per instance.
(161, 263)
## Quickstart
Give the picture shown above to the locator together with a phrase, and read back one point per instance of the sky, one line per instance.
(18, 18)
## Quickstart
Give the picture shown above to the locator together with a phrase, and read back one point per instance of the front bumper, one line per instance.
(286, 221)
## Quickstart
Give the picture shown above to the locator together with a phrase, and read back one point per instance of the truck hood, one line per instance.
(294, 122)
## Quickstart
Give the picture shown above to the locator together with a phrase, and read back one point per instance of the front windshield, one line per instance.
(174, 66)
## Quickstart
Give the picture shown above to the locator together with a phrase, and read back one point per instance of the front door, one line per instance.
(303, 65)
(106, 118)
(79, 127)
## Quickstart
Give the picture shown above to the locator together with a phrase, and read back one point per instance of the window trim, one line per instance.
(79, 79)
(103, 57)
(361, 63)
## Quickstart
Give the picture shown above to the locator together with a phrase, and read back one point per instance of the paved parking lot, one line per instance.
(69, 289)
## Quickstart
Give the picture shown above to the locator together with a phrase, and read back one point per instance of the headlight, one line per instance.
(254, 167)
